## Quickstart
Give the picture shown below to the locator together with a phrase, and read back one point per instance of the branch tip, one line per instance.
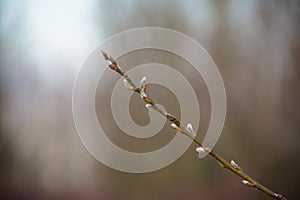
(104, 54)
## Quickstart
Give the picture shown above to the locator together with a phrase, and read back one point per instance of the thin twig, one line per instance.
(175, 123)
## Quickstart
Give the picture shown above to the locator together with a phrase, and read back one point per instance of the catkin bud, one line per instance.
(128, 84)
(174, 126)
(190, 129)
(143, 84)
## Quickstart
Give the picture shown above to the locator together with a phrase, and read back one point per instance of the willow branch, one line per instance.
(188, 131)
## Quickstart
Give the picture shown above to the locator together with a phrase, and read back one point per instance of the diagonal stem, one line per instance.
(231, 166)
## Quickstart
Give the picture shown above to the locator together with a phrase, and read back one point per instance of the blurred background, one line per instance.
(255, 45)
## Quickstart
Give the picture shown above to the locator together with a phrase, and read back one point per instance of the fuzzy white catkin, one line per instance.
(200, 151)
(233, 164)
(143, 81)
(174, 126)
(128, 85)
(189, 128)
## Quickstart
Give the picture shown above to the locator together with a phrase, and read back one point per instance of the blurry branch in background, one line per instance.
(188, 131)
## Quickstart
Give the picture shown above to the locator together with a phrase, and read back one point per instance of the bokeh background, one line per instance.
(254, 43)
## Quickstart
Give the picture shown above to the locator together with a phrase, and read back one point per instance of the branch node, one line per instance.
(172, 118)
